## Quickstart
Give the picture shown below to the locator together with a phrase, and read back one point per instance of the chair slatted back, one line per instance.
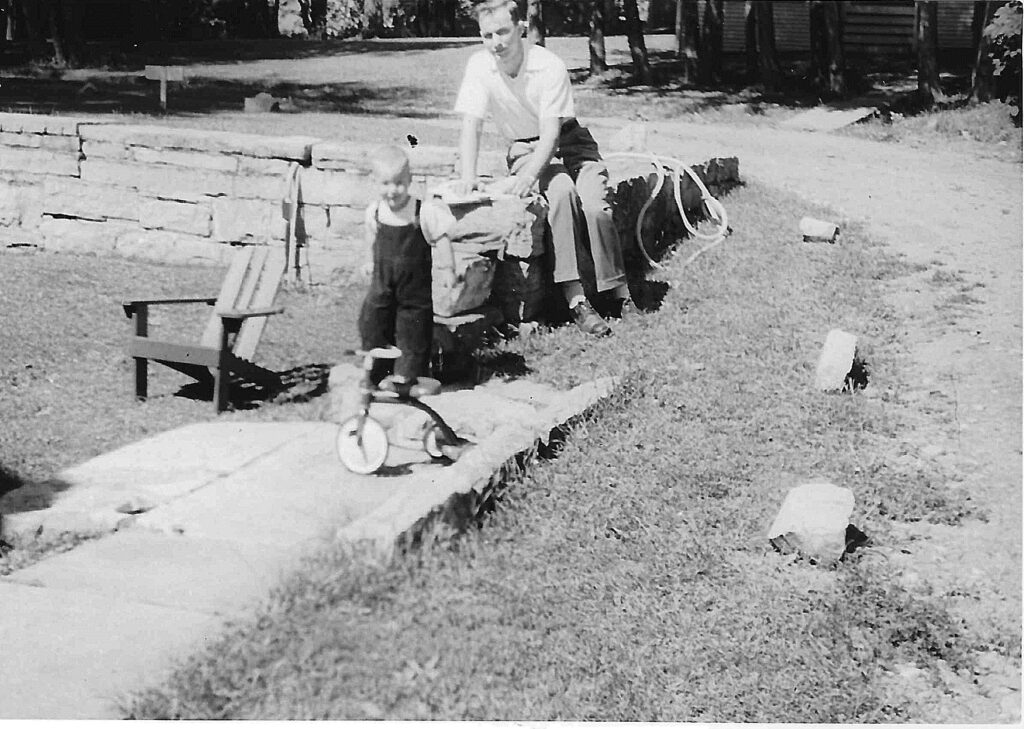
(267, 285)
(252, 280)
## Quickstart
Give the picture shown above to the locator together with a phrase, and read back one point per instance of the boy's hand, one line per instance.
(366, 270)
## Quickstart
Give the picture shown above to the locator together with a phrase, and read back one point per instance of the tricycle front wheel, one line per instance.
(362, 447)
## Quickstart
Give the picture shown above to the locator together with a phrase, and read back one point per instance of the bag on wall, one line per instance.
(474, 274)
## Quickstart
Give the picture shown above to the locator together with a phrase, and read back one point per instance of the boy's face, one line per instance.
(393, 182)
(501, 35)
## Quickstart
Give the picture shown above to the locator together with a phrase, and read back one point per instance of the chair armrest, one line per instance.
(249, 313)
(130, 305)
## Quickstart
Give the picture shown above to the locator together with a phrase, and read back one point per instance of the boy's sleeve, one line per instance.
(436, 221)
(370, 221)
(473, 98)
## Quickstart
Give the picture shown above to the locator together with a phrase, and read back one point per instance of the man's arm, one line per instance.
(550, 128)
(444, 261)
(469, 151)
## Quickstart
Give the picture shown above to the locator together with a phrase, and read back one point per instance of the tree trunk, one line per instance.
(535, 22)
(62, 20)
(750, 38)
(598, 61)
(819, 45)
(9, 20)
(836, 52)
(637, 46)
(688, 39)
(769, 72)
(982, 74)
(927, 36)
(709, 59)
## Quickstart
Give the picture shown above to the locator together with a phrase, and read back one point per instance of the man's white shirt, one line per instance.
(541, 90)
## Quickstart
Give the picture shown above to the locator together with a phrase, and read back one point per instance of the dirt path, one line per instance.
(959, 217)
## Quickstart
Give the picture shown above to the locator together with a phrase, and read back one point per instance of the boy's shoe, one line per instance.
(628, 309)
(397, 384)
(589, 321)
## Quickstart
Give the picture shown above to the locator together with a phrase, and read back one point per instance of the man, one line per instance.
(526, 89)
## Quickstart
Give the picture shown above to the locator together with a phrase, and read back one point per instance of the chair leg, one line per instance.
(221, 374)
(141, 378)
(140, 319)
(220, 389)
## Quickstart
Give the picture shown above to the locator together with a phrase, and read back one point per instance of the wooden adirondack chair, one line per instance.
(232, 333)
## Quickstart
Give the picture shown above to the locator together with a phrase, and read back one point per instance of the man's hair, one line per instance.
(389, 157)
(489, 6)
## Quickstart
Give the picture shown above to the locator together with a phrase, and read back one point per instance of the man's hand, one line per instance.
(366, 270)
(518, 185)
(522, 185)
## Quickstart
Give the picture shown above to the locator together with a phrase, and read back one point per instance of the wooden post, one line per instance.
(163, 74)
(141, 317)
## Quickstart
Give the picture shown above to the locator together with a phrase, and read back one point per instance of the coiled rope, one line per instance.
(714, 207)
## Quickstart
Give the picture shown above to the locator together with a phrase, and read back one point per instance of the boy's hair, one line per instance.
(389, 157)
(489, 6)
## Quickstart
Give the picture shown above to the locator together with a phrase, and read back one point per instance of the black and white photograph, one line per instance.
(649, 361)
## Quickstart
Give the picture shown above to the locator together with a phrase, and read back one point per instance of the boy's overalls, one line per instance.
(398, 308)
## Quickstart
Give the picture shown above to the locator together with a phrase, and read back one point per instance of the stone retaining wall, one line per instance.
(187, 196)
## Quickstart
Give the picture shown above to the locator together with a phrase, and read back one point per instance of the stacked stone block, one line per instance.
(182, 195)
(173, 195)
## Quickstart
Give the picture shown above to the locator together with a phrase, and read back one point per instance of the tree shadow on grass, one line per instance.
(881, 82)
(19, 495)
(201, 95)
(134, 56)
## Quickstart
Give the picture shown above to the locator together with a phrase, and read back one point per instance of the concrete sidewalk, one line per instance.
(226, 510)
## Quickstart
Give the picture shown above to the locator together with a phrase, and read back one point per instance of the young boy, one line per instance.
(400, 232)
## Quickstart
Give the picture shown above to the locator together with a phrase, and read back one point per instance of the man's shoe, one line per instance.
(589, 321)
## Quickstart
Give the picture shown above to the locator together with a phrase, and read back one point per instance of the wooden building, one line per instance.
(870, 27)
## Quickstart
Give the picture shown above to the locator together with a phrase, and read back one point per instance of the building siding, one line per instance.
(870, 27)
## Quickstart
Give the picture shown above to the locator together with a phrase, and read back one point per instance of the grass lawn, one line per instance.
(66, 379)
(629, 578)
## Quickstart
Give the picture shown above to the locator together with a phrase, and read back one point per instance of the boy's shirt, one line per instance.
(435, 220)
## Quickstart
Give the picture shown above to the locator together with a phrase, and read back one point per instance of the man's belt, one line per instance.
(567, 126)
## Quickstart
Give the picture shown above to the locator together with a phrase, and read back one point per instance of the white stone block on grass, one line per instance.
(836, 361)
(813, 521)
(822, 231)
